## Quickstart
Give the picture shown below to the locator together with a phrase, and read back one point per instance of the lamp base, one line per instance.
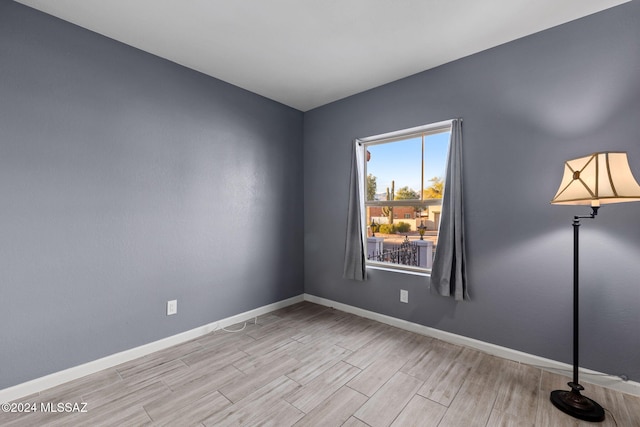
(578, 406)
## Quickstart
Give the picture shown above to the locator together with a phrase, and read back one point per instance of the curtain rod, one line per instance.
(409, 131)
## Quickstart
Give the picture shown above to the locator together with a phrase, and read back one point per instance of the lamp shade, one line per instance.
(598, 178)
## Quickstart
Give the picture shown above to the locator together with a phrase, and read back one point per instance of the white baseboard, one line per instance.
(593, 377)
(57, 378)
(39, 384)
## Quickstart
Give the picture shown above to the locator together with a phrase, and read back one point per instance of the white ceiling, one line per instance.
(307, 53)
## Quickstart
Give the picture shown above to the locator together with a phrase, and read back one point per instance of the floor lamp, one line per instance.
(596, 179)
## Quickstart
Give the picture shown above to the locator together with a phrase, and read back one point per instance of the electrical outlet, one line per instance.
(172, 307)
(404, 296)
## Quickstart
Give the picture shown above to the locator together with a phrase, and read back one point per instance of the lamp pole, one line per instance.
(573, 402)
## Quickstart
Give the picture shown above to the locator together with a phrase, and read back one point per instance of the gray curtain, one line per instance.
(354, 261)
(449, 274)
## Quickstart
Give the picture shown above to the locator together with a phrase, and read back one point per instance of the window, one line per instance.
(403, 177)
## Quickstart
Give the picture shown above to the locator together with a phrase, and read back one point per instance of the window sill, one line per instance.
(399, 270)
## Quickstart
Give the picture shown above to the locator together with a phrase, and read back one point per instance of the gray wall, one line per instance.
(127, 181)
(527, 106)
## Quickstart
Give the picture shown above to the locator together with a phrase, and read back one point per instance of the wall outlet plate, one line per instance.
(172, 307)
(404, 296)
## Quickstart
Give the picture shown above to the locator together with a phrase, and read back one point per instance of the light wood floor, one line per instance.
(308, 365)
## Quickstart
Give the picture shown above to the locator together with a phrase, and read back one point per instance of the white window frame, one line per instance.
(425, 130)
